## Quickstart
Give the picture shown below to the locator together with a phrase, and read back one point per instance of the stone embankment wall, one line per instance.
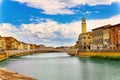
(98, 53)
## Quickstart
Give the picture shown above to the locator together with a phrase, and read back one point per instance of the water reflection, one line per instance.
(100, 69)
(46, 55)
(60, 66)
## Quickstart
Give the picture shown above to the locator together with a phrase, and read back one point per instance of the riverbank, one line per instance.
(10, 75)
(99, 54)
(3, 56)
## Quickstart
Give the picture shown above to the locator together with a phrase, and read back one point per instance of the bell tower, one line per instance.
(83, 25)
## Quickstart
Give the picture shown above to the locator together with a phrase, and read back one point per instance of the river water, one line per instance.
(60, 66)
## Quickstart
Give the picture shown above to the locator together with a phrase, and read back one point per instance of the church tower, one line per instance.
(83, 25)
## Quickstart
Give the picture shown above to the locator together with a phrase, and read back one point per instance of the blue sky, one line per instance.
(54, 22)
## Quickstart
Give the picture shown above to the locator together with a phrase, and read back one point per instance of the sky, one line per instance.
(54, 22)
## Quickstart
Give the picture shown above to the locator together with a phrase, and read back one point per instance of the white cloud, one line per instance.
(52, 32)
(62, 6)
(94, 2)
(87, 12)
(49, 6)
(97, 11)
(91, 24)
(8, 30)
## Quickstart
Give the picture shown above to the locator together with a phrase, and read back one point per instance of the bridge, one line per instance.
(14, 53)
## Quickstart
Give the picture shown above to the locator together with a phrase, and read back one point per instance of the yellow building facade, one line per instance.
(15, 44)
(25, 46)
(2, 43)
(10, 43)
(32, 46)
(85, 41)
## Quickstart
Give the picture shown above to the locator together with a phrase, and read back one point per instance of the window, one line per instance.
(84, 37)
(84, 43)
(84, 47)
(112, 30)
(89, 47)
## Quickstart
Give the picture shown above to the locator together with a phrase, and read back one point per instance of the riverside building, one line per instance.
(106, 37)
(85, 39)
(2, 44)
(98, 38)
(101, 38)
(115, 37)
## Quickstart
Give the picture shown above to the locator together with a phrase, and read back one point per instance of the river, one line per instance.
(60, 66)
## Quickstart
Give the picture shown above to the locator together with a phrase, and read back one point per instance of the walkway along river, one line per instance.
(60, 66)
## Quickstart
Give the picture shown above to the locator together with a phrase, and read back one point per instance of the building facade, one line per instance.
(32, 46)
(9, 43)
(98, 38)
(85, 41)
(15, 44)
(21, 46)
(118, 36)
(115, 37)
(106, 37)
(2, 44)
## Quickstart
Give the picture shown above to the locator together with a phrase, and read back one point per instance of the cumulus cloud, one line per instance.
(52, 32)
(8, 30)
(62, 6)
(101, 22)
